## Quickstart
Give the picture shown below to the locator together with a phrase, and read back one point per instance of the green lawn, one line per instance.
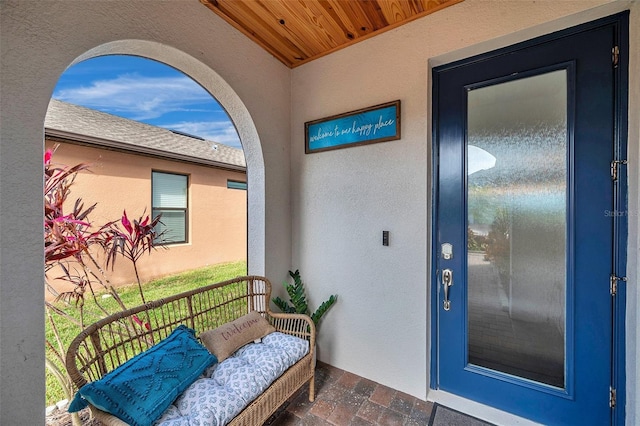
(153, 290)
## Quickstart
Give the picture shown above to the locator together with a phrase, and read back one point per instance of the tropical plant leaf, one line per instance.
(298, 299)
(297, 293)
(323, 308)
(284, 306)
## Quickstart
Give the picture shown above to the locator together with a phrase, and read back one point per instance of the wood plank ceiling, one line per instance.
(299, 31)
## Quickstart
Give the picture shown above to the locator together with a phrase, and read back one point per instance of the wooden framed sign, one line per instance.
(379, 123)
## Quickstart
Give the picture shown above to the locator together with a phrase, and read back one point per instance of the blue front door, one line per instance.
(524, 249)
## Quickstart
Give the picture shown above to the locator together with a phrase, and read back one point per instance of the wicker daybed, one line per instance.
(110, 342)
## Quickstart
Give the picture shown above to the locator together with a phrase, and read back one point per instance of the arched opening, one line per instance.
(149, 131)
(236, 111)
(152, 134)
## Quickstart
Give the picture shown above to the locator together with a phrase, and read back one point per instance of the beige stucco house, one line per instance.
(321, 213)
(140, 168)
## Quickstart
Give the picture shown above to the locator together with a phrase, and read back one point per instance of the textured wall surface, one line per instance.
(37, 43)
(344, 199)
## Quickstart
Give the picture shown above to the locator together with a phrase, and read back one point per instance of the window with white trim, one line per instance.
(169, 198)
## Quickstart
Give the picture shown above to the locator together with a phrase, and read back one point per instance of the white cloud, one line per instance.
(137, 97)
(150, 99)
(218, 131)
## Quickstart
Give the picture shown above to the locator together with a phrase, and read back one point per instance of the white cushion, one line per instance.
(226, 388)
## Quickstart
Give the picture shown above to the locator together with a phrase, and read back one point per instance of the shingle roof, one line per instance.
(86, 125)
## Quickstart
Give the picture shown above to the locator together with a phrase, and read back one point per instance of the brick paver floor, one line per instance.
(342, 398)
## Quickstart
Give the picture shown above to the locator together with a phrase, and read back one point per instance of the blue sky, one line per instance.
(151, 92)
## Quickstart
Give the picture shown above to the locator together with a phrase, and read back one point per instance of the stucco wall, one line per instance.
(217, 216)
(38, 41)
(342, 200)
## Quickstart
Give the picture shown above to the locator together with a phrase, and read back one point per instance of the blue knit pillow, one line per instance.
(141, 389)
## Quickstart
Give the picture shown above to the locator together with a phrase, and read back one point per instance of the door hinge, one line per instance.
(613, 283)
(614, 168)
(612, 397)
(615, 56)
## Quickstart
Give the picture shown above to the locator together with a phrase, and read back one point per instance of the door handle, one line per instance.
(447, 281)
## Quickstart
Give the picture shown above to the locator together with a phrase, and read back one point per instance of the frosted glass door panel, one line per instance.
(516, 217)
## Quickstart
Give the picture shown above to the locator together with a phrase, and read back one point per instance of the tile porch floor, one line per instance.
(344, 399)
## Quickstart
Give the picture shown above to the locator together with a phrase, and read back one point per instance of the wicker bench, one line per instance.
(108, 343)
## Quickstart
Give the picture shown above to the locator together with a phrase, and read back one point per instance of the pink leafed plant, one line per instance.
(71, 241)
(137, 238)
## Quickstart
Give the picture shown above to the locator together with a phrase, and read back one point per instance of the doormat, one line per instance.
(445, 416)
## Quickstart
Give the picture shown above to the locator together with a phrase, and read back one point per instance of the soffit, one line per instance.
(299, 31)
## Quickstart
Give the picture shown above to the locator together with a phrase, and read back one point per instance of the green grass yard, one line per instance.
(153, 290)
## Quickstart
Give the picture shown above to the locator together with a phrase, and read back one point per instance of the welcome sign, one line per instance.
(378, 123)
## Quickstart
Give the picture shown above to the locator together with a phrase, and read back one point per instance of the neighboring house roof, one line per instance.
(87, 126)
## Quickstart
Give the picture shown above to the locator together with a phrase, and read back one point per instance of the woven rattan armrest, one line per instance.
(298, 325)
